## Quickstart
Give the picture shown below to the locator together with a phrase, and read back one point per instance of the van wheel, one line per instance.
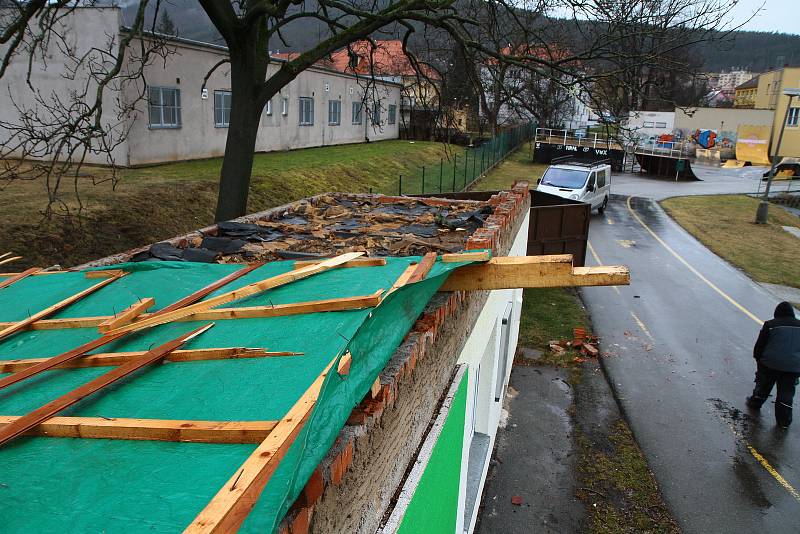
(602, 207)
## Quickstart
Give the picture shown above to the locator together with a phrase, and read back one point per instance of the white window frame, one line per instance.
(661, 125)
(376, 114)
(392, 114)
(285, 106)
(793, 118)
(334, 112)
(357, 110)
(224, 120)
(161, 124)
(269, 107)
(648, 124)
(305, 111)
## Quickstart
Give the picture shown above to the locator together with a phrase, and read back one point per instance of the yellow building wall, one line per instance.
(768, 88)
(790, 145)
(745, 98)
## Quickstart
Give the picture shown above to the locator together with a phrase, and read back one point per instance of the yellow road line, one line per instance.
(695, 271)
(599, 262)
(642, 327)
(765, 463)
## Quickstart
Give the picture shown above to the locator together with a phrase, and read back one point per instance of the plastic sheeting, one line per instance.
(87, 485)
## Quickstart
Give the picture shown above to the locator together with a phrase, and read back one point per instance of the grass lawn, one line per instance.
(159, 202)
(548, 314)
(725, 224)
(518, 166)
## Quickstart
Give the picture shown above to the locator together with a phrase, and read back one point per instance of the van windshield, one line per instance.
(565, 178)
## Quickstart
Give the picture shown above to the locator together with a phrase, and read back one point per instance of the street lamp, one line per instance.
(763, 207)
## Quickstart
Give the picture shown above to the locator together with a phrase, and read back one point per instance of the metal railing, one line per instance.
(574, 138)
(464, 166)
(673, 149)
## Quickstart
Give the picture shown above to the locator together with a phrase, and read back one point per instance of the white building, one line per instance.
(177, 120)
(731, 79)
(648, 125)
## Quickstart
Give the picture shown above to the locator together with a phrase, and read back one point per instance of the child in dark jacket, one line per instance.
(777, 354)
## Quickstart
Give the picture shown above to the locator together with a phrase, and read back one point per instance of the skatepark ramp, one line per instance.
(752, 144)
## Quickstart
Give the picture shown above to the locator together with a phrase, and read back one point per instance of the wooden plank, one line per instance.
(5, 255)
(107, 273)
(479, 255)
(221, 314)
(127, 315)
(506, 278)
(242, 292)
(43, 413)
(19, 276)
(423, 268)
(207, 290)
(360, 262)
(40, 273)
(16, 327)
(401, 280)
(105, 359)
(375, 388)
(344, 364)
(228, 509)
(149, 429)
(109, 337)
(294, 308)
(507, 272)
(9, 260)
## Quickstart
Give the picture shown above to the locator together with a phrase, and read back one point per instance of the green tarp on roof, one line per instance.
(94, 485)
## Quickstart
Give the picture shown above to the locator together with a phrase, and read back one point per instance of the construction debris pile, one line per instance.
(582, 341)
(332, 224)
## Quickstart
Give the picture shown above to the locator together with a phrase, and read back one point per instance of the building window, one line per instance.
(334, 112)
(661, 125)
(357, 107)
(376, 114)
(306, 111)
(268, 109)
(222, 109)
(285, 106)
(794, 117)
(164, 107)
(648, 124)
(392, 114)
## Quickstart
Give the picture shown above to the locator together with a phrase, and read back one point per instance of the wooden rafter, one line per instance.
(20, 325)
(9, 260)
(149, 429)
(360, 262)
(221, 314)
(402, 279)
(423, 268)
(39, 415)
(19, 276)
(478, 255)
(105, 359)
(230, 506)
(241, 293)
(107, 273)
(127, 315)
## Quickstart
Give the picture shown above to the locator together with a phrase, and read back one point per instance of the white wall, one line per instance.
(483, 348)
(647, 124)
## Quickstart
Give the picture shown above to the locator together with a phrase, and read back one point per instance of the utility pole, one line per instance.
(763, 207)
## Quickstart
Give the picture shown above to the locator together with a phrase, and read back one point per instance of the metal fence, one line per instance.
(462, 168)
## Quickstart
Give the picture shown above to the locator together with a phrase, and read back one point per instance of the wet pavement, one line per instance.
(713, 181)
(678, 351)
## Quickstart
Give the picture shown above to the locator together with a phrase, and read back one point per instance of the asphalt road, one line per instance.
(678, 344)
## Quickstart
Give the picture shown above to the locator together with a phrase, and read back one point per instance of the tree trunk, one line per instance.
(237, 166)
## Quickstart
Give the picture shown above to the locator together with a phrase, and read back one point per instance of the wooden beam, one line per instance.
(43, 413)
(512, 275)
(127, 315)
(5, 254)
(423, 268)
(241, 293)
(9, 260)
(149, 429)
(19, 276)
(507, 272)
(221, 314)
(105, 359)
(107, 273)
(210, 288)
(402, 279)
(228, 509)
(16, 327)
(479, 255)
(360, 262)
(344, 364)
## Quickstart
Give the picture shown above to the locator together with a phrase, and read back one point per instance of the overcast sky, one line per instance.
(776, 16)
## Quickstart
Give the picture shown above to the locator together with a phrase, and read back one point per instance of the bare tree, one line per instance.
(611, 39)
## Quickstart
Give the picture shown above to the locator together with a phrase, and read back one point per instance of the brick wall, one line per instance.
(353, 487)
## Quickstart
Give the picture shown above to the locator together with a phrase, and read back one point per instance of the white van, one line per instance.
(588, 182)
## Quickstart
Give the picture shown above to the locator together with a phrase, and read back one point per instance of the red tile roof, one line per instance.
(388, 59)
